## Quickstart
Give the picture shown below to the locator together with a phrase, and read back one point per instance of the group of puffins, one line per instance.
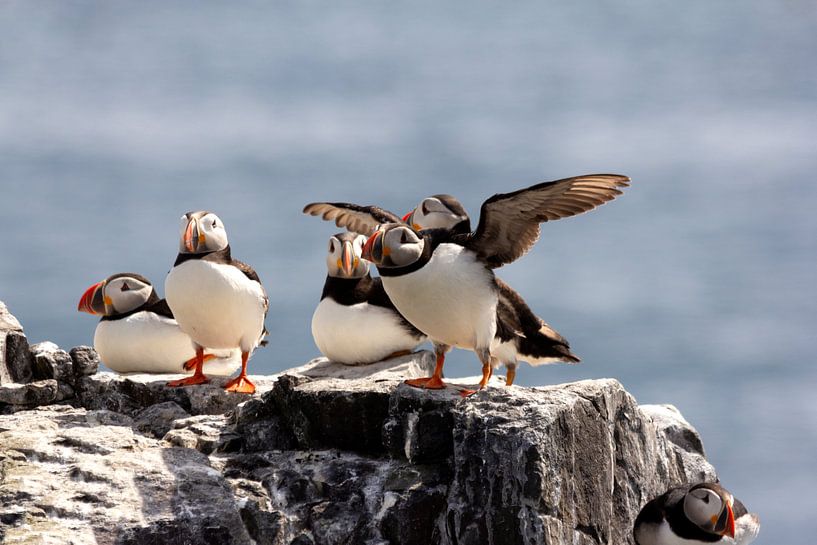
(436, 283)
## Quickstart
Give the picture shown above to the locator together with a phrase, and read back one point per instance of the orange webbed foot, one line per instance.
(432, 383)
(189, 381)
(190, 364)
(241, 385)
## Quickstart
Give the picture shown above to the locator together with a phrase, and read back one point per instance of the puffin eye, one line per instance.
(706, 499)
(125, 286)
(215, 223)
(424, 208)
(332, 246)
(403, 237)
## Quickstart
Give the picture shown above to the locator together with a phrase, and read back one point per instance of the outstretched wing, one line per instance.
(355, 218)
(509, 222)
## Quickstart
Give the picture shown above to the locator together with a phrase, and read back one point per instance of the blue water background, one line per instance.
(696, 288)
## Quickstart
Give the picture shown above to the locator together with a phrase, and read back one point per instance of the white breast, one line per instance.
(145, 342)
(360, 333)
(451, 299)
(216, 304)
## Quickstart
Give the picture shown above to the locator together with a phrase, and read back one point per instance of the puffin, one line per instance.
(444, 284)
(355, 322)
(435, 212)
(138, 333)
(695, 514)
(439, 212)
(216, 299)
(446, 212)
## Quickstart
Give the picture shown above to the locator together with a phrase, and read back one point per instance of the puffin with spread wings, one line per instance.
(447, 213)
(442, 280)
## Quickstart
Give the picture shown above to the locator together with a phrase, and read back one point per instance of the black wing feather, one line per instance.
(354, 217)
(161, 308)
(509, 222)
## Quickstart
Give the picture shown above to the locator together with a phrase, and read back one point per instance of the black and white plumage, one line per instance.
(694, 515)
(523, 336)
(138, 333)
(355, 322)
(443, 282)
(217, 300)
(439, 212)
(435, 212)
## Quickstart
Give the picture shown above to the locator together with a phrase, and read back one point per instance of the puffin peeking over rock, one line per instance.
(137, 332)
(355, 322)
(693, 515)
(443, 281)
(217, 300)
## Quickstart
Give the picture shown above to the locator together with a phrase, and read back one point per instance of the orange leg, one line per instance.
(510, 375)
(487, 371)
(241, 384)
(197, 377)
(435, 381)
(191, 363)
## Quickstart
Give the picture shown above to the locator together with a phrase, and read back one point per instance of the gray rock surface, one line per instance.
(157, 419)
(15, 359)
(75, 476)
(51, 362)
(36, 393)
(382, 463)
(85, 360)
(330, 454)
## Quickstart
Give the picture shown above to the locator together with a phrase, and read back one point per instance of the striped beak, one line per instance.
(408, 219)
(347, 259)
(193, 237)
(373, 249)
(93, 300)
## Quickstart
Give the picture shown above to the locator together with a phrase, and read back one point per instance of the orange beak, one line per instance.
(347, 258)
(371, 247)
(191, 237)
(92, 300)
(407, 216)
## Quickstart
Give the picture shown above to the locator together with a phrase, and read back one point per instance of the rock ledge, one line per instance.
(323, 454)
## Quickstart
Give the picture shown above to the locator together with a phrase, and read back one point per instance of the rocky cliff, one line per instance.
(322, 454)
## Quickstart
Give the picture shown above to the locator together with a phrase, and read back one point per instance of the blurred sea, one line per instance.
(696, 288)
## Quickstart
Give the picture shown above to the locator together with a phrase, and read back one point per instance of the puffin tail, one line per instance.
(545, 346)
